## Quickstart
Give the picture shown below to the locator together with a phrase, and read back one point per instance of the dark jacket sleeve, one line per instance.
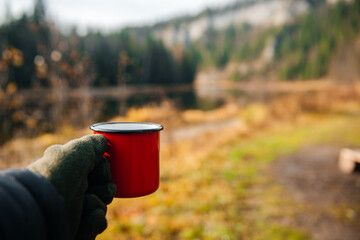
(30, 207)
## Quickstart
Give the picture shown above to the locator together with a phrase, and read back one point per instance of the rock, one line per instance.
(349, 160)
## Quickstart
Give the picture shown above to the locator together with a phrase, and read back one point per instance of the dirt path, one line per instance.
(329, 200)
(196, 130)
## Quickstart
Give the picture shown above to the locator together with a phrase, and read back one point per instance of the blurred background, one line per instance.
(257, 98)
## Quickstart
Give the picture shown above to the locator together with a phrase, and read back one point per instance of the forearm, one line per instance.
(30, 207)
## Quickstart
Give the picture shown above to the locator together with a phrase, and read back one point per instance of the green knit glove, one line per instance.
(98, 195)
(81, 175)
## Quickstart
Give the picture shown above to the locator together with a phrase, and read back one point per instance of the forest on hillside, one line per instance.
(36, 54)
(301, 50)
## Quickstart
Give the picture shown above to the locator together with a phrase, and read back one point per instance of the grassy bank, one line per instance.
(216, 185)
(224, 193)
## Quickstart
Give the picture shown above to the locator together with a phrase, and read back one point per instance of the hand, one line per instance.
(81, 175)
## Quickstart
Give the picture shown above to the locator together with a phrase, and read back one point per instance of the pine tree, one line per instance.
(39, 11)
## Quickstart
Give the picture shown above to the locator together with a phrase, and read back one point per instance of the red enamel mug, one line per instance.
(133, 155)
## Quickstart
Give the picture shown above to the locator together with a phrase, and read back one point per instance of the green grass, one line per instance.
(229, 196)
(249, 158)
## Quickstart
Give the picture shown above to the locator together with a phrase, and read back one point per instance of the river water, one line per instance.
(31, 112)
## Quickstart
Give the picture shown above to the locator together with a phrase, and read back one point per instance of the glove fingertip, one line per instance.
(99, 143)
(105, 192)
(97, 221)
(92, 224)
(91, 202)
(101, 173)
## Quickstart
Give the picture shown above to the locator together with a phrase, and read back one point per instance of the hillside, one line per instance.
(277, 39)
(264, 13)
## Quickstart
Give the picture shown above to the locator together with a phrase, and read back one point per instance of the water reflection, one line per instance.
(30, 112)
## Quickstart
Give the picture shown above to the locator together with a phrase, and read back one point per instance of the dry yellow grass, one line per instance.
(340, 99)
(196, 197)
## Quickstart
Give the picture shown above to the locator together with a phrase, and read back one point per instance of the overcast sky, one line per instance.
(111, 14)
